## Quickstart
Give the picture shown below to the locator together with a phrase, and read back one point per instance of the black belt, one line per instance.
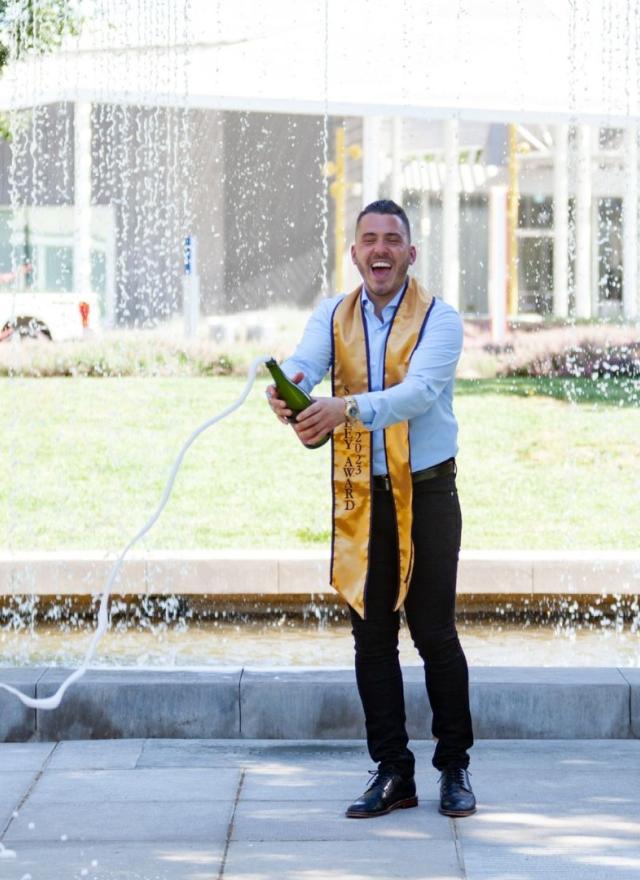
(382, 483)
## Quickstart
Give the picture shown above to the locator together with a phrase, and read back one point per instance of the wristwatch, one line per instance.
(351, 411)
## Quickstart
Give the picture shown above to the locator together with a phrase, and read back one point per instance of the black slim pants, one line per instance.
(430, 613)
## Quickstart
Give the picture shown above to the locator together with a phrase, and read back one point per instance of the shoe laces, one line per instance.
(377, 776)
(456, 775)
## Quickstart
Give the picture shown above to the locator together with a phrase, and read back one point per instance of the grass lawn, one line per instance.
(85, 462)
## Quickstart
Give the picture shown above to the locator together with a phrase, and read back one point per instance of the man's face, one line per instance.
(382, 253)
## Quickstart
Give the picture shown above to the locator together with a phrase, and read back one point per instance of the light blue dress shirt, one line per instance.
(424, 397)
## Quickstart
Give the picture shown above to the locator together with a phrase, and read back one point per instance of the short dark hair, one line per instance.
(386, 206)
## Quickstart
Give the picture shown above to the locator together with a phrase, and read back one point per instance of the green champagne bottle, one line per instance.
(294, 396)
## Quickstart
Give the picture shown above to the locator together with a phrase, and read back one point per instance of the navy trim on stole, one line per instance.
(384, 433)
(333, 487)
(368, 353)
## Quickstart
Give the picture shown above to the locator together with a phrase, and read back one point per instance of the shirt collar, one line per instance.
(392, 304)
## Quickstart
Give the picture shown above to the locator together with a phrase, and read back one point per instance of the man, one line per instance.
(393, 351)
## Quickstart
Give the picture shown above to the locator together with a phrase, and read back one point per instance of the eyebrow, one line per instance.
(386, 235)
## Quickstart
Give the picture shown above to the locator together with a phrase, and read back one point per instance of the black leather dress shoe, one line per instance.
(386, 792)
(456, 795)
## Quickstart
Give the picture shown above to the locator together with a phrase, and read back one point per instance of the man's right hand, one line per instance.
(277, 404)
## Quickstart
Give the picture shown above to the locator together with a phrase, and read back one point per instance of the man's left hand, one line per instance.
(324, 414)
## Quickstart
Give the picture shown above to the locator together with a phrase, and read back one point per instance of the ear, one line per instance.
(353, 254)
(412, 255)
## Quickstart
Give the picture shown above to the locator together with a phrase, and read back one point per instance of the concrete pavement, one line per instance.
(260, 810)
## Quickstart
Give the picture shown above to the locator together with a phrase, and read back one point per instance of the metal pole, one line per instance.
(630, 225)
(451, 216)
(191, 287)
(583, 223)
(560, 223)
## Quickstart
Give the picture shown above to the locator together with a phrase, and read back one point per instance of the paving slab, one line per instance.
(24, 756)
(225, 753)
(547, 809)
(132, 821)
(529, 755)
(112, 703)
(301, 783)
(17, 721)
(198, 860)
(104, 754)
(540, 863)
(342, 860)
(325, 820)
(14, 786)
(578, 814)
(117, 786)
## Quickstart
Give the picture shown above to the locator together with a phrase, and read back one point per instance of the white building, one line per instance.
(224, 124)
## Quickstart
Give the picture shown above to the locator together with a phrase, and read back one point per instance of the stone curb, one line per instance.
(290, 703)
(305, 573)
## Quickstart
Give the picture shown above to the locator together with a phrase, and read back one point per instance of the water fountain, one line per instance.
(252, 134)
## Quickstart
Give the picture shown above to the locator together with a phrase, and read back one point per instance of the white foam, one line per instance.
(54, 700)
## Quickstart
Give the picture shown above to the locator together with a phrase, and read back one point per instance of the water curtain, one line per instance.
(53, 701)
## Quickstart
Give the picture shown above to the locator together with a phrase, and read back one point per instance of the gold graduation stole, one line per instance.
(351, 444)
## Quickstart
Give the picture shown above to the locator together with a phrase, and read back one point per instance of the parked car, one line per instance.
(56, 315)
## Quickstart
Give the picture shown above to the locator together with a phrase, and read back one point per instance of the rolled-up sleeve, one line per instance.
(432, 367)
(314, 351)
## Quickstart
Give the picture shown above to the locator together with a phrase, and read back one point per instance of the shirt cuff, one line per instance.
(367, 413)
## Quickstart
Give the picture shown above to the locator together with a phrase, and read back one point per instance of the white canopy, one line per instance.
(499, 60)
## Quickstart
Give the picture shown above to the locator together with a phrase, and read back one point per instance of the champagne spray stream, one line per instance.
(54, 700)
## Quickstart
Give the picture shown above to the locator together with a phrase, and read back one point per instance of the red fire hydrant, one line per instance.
(84, 314)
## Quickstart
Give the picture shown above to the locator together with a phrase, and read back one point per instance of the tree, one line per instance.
(35, 26)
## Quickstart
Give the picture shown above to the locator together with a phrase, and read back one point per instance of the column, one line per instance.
(451, 216)
(370, 158)
(82, 198)
(560, 223)
(423, 240)
(583, 223)
(396, 159)
(498, 257)
(630, 224)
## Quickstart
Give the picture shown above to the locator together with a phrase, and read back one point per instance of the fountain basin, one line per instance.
(506, 702)
(305, 573)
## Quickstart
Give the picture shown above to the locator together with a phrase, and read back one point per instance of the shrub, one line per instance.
(131, 353)
(580, 351)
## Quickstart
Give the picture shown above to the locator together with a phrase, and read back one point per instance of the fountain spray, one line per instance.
(55, 699)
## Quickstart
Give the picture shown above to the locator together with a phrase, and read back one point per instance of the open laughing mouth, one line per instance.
(381, 269)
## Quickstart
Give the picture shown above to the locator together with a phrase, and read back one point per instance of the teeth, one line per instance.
(379, 264)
